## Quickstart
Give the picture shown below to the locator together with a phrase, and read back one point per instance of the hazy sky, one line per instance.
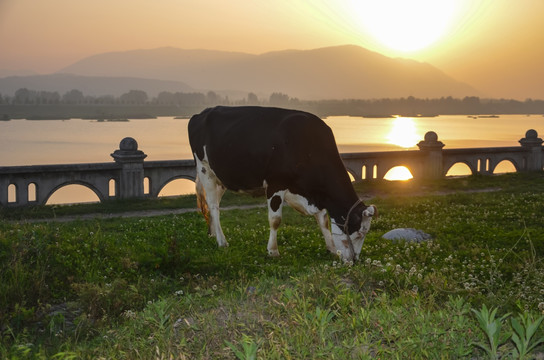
(495, 45)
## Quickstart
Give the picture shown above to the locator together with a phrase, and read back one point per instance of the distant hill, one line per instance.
(327, 73)
(89, 85)
(20, 72)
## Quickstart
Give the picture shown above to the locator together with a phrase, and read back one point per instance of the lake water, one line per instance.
(28, 142)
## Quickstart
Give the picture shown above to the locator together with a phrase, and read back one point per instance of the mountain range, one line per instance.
(337, 72)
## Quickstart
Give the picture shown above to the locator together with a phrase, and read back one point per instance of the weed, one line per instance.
(491, 326)
(248, 350)
(524, 334)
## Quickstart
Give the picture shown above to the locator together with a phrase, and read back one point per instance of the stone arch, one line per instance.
(364, 172)
(112, 188)
(171, 179)
(13, 193)
(32, 192)
(398, 169)
(353, 174)
(94, 189)
(147, 185)
(375, 172)
(483, 165)
(506, 159)
(466, 163)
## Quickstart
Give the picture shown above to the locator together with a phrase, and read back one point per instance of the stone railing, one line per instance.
(129, 176)
(431, 161)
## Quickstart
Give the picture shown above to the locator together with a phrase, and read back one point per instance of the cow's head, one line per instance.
(349, 239)
(358, 237)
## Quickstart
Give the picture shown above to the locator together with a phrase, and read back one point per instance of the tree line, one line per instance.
(26, 96)
(409, 106)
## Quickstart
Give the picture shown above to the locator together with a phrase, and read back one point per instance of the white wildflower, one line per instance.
(129, 314)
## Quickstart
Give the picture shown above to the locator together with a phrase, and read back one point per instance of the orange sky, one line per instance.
(495, 45)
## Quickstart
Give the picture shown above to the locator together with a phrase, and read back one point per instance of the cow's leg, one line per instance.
(303, 206)
(209, 192)
(323, 221)
(275, 205)
(215, 225)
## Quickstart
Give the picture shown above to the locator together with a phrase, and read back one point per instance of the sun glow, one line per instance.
(406, 26)
(403, 133)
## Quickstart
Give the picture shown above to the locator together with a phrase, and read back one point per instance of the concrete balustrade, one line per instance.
(124, 178)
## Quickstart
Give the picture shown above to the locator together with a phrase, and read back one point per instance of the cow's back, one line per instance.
(248, 145)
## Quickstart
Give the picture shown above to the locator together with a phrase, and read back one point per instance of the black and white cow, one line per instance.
(293, 156)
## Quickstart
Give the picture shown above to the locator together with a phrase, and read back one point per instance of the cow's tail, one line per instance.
(201, 203)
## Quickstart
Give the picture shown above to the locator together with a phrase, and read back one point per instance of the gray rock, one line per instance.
(407, 234)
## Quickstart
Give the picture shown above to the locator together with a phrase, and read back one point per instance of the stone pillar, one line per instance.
(131, 183)
(22, 193)
(533, 144)
(432, 167)
(4, 184)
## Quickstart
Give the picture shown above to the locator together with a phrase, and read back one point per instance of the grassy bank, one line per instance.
(159, 287)
(119, 207)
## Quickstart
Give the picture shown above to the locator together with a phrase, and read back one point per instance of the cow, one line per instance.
(290, 154)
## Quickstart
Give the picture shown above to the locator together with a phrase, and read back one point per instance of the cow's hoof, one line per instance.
(273, 253)
(224, 244)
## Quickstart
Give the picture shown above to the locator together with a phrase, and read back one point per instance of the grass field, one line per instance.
(160, 288)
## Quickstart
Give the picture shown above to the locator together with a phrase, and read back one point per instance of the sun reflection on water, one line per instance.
(403, 132)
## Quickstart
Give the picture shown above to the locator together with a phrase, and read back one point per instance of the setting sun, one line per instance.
(406, 25)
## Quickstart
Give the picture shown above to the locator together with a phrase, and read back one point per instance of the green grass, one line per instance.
(159, 288)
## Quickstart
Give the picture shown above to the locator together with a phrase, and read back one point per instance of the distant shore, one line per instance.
(92, 112)
(365, 108)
